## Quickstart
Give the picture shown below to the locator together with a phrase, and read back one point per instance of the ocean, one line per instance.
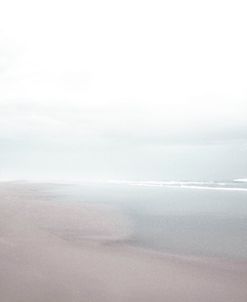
(185, 218)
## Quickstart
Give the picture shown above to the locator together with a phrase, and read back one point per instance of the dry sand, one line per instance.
(53, 251)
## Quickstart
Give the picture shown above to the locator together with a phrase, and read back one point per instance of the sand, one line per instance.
(54, 251)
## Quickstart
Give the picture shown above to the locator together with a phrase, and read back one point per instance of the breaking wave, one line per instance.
(234, 185)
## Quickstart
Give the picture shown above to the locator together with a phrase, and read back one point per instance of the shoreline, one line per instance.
(57, 251)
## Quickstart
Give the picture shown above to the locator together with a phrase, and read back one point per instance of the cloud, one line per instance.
(94, 76)
(156, 124)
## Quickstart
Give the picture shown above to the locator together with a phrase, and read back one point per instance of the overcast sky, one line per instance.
(123, 89)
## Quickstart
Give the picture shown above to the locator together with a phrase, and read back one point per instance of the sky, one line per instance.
(140, 90)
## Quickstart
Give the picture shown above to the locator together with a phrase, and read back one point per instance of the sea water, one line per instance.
(185, 219)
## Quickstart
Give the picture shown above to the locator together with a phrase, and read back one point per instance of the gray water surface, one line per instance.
(175, 220)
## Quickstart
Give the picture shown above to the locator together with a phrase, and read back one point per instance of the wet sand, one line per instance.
(72, 251)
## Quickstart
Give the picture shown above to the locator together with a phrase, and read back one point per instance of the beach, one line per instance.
(58, 250)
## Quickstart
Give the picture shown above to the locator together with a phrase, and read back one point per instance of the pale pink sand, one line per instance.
(53, 251)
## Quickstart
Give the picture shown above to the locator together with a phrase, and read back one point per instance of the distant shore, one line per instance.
(53, 250)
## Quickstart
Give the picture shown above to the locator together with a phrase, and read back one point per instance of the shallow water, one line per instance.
(175, 220)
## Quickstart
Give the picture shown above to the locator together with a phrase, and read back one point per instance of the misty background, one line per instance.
(135, 90)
